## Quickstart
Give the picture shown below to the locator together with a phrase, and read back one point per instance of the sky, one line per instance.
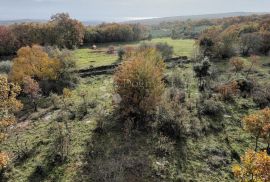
(119, 10)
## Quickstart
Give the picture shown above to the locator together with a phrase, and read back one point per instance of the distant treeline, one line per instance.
(61, 31)
(64, 32)
(236, 36)
(192, 29)
(115, 33)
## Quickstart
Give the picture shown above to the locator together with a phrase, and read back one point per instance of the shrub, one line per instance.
(202, 71)
(164, 146)
(228, 90)
(165, 50)
(259, 93)
(144, 46)
(177, 95)
(261, 98)
(111, 50)
(237, 63)
(67, 78)
(5, 66)
(245, 86)
(139, 84)
(175, 80)
(168, 123)
(212, 108)
(121, 53)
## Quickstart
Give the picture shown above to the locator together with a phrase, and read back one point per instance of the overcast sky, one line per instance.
(112, 10)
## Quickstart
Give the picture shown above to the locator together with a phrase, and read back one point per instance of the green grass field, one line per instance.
(86, 57)
(182, 47)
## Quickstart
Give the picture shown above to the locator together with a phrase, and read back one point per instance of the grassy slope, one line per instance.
(208, 156)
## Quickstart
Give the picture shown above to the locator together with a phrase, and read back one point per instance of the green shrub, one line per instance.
(165, 50)
(5, 66)
(175, 80)
(212, 108)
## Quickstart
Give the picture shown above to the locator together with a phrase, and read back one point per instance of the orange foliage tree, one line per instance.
(258, 124)
(237, 63)
(139, 83)
(228, 90)
(8, 105)
(34, 62)
(255, 167)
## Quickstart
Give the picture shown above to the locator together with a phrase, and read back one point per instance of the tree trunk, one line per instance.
(256, 145)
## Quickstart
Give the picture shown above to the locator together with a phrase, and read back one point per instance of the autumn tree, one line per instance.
(27, 34)
(66, 32)
(249, 43)
(265, 40)
(139, 85)
(208, 41)
(7, 41)
(255, 167)
(258, 124)
(113, 32)
(8, 105)
(35, 63)
(31, 88)
(66, 76)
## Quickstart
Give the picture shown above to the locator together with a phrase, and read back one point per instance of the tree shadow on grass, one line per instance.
(111, 156)
(48, 169)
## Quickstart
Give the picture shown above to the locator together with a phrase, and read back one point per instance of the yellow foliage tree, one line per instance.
(34, 62)
(8, 105)
(255, 167)
(139, 84)
(258, 124)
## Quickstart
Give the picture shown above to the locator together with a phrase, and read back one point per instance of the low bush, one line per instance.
(228, 90)
(165, 50)
(5, 66)
(212, 108)
(261, 97)
(176, 95)
(171, 119)
(164, 147)
(175, 80)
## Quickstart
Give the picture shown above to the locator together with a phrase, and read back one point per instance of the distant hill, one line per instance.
(156, 21)
(153, 21)
(92, 22)
(9, 22)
